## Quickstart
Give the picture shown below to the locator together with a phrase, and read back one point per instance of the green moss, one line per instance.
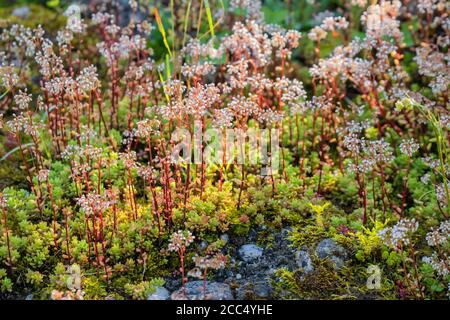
(349, 283)
(11, 174)
(39, 15)
(308, 235)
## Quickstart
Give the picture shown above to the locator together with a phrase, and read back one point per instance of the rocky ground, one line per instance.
(250, 273)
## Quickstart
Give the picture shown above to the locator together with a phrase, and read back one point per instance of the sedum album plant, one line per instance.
(131, 140)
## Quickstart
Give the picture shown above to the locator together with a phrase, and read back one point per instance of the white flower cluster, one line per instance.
(294, 95)
(429, 6)
(409, 147)
(128, 159)
(380, 20)
(50, 64)
(254, 43)
(379, 150)
(146, 172)
(241, 106)
(345, 64)
(400, 234)
(441, 195)
(435, 65)
(22, 99)
(147, 127)
(430, 162)
(122, 47)
(195, 50)
(92, 203)
(329, 24)
(8, 77)
(439, 263)
(354, 143)
(250, 41)
(180, 240)
(252, 8)
(439, 236)
(20, 38)
(365, 165)
(197, 101)
(88, 79)
(21, 123)
(270, 117)
(223, 118)
(197, 58)
(370, 153)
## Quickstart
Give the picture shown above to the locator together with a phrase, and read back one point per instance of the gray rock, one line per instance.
(250, 252)
(29, 297)
(337, 262)
(254, 289)
(285, 232)
(262, 289)
(21, 12)
(203, 245)
(304, 261)
(271, 272)
(225, 238)
(238, 276)
(161, 293)
(193, 290)
(329, 249)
